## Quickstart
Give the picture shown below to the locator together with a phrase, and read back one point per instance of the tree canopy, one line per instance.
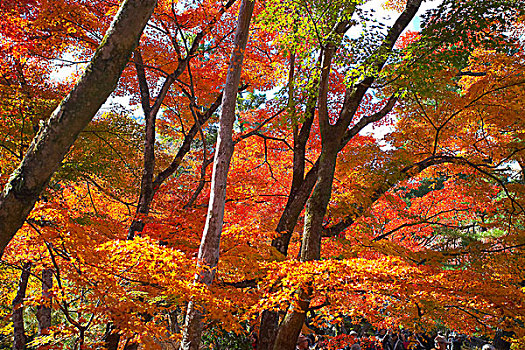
(376, 172)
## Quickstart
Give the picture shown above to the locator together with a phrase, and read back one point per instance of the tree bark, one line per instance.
(208, 256)
(19, 335)
(146, 183)
(150, 186)
(43, 313)
(294, 205)
(268, 330)
(56, 136)
(316, 207)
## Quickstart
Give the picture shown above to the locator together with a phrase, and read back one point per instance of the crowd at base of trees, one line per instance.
(240, 186)
(363, 337)
(395, 340)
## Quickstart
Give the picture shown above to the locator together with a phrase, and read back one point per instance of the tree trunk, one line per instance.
(56, 136)
(268, 330)
(311, 246)
(209, 249)
(146, 183)
(149, 186)
(334, 137)
(43, 313)
(19, 335)
(299, 192)
(111, 338)
(499, 342)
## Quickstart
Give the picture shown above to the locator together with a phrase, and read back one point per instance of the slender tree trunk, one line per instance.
(321, 175)
(43, 313)
(209, 249)
(19, 335)
(54, 139)
(146, 184)
(149, 185)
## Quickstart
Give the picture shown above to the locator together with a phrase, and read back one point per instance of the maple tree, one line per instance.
(321, 221)
(51, 143)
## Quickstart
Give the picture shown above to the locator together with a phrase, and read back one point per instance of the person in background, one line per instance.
(355, 346)
(312, 341)
(440, 343)
(423, 341)
(303, 343)
(397, 344)
(456, 341)
(385, 339)
(404, 337)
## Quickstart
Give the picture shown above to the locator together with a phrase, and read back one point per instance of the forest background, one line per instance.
(117, 226)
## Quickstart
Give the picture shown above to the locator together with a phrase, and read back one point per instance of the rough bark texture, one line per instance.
(57, 135)
(290, 327)
(19, 335)
(43, 313)
(209, 249)
(268, 330)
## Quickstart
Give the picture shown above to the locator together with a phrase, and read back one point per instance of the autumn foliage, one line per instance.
(424, 221)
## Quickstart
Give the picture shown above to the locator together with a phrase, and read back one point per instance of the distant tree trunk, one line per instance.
(111, 339)
(54, 139)
(208, 256)
(499, 342)
(43, 313)
(19, 335)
